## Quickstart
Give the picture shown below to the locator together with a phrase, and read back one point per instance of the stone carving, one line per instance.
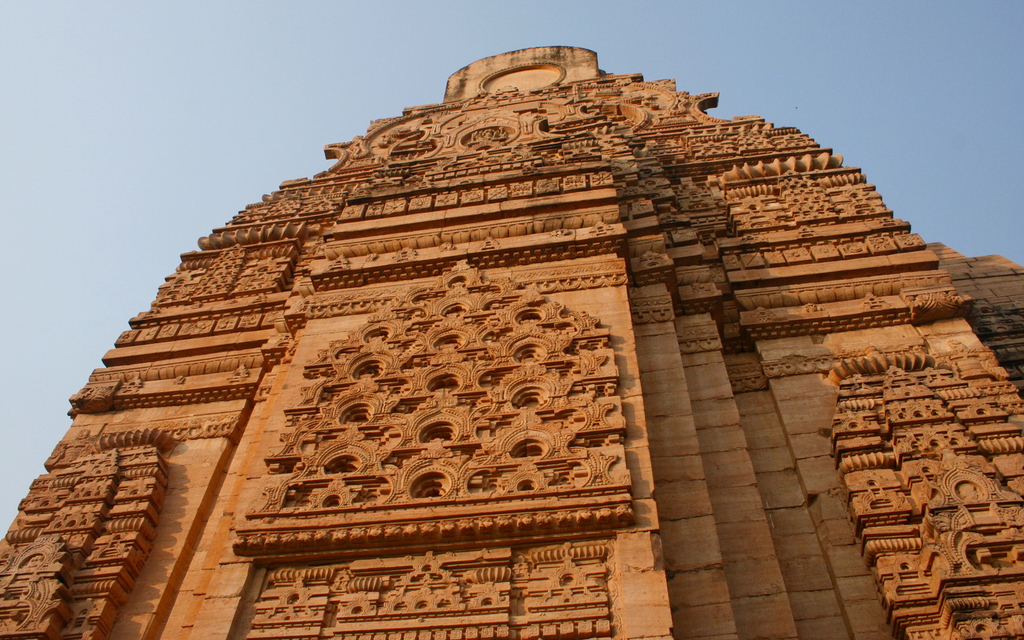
(785, 252)
(222, 425)
(935, 305)
(797, 365)
(532, 593)
(794, 199)
(747, 376)
(254, 235)
(648, 310)
(548, 279)
(137, 376)
(576, 278)
(920, 447)
(460, 391)
(174, 384)
(214, 275)
(698, 338)
(853, 288)
(489, 252)
(36, 601)
(94, 398)
(874, 362)
(82, 536)
(161, 327)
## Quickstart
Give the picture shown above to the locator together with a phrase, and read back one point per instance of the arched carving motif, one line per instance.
(465, 392)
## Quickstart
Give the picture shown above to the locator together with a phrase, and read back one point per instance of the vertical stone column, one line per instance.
(805, 402)
(699, 593)
(749, 558)
(211, 595)
(805, 573)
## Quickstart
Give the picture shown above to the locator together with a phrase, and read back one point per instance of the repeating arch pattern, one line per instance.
(465, 392)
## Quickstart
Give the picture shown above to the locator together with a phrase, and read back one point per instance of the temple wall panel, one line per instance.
(563, 357)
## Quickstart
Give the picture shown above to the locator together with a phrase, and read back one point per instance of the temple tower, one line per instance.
(562, 357)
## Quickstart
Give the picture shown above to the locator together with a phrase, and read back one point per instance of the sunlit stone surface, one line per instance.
(562, 357)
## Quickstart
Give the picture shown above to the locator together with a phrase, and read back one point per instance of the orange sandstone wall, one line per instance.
(561, 357)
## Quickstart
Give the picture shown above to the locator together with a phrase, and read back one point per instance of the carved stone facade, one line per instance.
(562, 357)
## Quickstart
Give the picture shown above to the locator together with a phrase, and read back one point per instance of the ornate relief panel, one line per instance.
(216, 275)
(82, 536)
(810, 189)
(555, 591)
(470, 395)
(933, 471)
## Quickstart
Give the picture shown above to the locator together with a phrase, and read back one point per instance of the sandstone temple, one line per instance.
(562, 357)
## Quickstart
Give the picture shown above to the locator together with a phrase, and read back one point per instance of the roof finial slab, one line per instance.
(524, 70)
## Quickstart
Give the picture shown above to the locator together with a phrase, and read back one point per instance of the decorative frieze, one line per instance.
(175, 384)
(698, 339)
(747, 376)
(495, 193)
(347, 244)
(529, 593)
(485, 254)
(814, 251)
(844, 290)
(235, 271)
(579, 276)
(488, 395)
(647, 310)
(222, 425)
(797, 365)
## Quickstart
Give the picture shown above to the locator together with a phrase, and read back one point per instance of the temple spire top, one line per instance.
(525, 69)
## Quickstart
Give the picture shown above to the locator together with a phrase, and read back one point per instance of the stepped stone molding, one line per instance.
(920, 448)
(82, 537)
(562, 357)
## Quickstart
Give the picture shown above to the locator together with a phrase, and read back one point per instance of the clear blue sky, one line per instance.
(130, 129)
